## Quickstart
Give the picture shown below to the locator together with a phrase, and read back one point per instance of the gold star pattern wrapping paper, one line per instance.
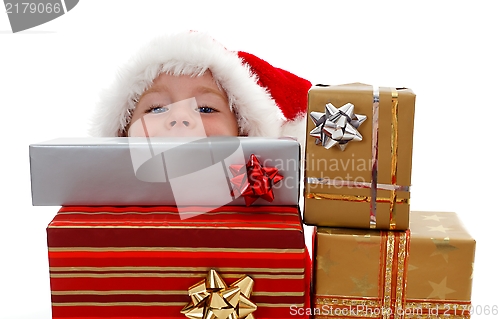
(428, 267)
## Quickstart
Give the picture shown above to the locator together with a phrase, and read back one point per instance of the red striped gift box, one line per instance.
(138, 262)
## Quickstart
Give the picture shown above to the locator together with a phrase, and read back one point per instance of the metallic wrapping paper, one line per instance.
(101, 171)
(368, 184)
(424, 272)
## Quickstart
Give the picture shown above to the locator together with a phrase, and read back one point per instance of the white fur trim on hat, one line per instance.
(189, 53)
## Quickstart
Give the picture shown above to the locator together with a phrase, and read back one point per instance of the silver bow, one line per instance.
(336, 126)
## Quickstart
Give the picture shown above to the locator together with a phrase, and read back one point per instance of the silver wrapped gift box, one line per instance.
(213, 171)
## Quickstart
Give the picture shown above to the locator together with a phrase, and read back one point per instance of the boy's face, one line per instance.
(183, 106)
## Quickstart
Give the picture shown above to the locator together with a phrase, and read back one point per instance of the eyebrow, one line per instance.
(152, 90)
(199, 89)
(207, 90)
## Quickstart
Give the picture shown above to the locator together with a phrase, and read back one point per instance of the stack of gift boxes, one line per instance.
(373, 258)
(247, 259)
(117, 249)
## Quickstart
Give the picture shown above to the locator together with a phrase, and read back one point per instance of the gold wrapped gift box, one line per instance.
(365, 185)
(424, 272)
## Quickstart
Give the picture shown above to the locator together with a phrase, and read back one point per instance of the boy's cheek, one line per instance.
(136, 129)
(158, 126)
(207, 125)
(220, 126)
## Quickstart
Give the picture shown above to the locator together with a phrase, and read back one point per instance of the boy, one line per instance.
(188, 84)
(235, 93)
(202, 108)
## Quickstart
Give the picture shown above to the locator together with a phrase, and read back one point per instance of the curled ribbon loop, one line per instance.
(253, 181)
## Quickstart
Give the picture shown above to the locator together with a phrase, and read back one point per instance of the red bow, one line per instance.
(253, 181)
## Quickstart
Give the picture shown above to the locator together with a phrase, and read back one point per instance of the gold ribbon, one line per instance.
(354, 184)
(175, 269)
(391, 302)
(165, 275)
(355, 198)
(394, 155)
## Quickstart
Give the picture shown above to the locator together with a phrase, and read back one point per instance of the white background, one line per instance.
(446, 51)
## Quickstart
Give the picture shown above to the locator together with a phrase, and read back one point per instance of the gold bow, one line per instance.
(213, 299)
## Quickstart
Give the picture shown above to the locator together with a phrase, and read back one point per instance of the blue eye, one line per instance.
(155, 109)
(206, 109)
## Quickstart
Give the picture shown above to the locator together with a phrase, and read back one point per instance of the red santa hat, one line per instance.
(267, 101)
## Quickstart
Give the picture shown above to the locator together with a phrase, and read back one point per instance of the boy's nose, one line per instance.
(182, 117)
(186, 123)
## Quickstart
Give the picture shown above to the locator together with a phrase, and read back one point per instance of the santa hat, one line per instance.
(267, 101)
